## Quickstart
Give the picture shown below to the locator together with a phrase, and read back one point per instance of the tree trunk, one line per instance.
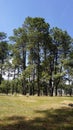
(55, 83)
(56, 91)
(23, 88)
(51, 87)
(24, 58)
(38, 69)
(51, 77)
(47, 90)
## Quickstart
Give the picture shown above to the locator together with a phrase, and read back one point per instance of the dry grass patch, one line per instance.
(35, 113)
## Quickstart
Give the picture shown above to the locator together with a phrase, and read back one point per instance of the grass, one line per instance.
(36, 113)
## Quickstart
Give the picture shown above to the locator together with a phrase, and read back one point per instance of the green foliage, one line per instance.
(5, 87)
(16, 86)
(3, 51)
(68, 90)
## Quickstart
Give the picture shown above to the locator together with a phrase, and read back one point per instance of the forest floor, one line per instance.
(36, 113)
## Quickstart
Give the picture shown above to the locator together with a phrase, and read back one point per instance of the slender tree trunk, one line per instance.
(13, 89)
(51, 78)
(18, 71)
(14, 73)
(38, 69)
(56, 91)
(45, 55)
(24, 67)
(55, 82)
(46, 90)
(38, 81)
(24, 88)
(33, 81)
(51, 87)
(24, 58)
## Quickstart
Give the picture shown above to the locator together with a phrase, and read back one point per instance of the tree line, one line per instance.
(38, 58)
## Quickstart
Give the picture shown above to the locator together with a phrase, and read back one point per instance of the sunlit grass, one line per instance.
(35, 113)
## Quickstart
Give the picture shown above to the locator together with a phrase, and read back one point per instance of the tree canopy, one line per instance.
(39, 59)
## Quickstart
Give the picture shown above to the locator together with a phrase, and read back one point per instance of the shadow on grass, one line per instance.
(54, 119)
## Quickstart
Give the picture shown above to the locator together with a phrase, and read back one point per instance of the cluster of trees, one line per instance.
(39, 58)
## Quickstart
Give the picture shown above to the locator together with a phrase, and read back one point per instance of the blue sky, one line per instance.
(56, 12)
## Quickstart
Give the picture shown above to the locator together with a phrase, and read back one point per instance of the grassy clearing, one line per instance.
(36, 113)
